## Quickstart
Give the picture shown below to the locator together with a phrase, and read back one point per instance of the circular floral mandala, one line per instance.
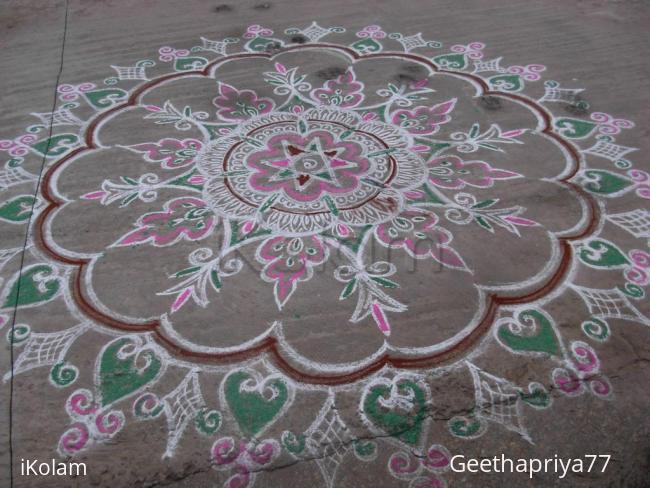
(352, 225)
(355, 195)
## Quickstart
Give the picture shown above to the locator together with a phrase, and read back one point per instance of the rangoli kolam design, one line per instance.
(296, 215)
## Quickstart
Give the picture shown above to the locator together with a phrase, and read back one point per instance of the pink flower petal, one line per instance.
(520, 221)
(444, 108)
(343, 230)
(95, 195)
(196, 179)
(181, 299)
(421, 148)
(226, 89)
(414, 194)
(280, 68)
(502, 174)
(380, 318)
(513, 133)
(448, 256)
(133, 238)
(248, 226)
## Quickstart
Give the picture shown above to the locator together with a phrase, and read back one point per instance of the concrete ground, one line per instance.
(325, 244)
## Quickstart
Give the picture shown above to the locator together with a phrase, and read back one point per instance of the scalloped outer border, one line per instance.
(270, 345)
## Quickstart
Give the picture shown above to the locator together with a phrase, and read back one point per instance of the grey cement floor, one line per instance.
(448, 259)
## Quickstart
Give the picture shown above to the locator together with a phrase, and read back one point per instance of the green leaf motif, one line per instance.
(483, 223)
(602, 254)
(385, 282)
(187, 271)
(395, 421)
(183, 180)
(36, 285)
(124, 368)
(574, 128)
(485, 203)
(18, 209)
(252, 409)
(540, 339)
(349, 288)
(215, 280)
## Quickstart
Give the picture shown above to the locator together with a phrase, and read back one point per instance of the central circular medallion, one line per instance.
(301, 172)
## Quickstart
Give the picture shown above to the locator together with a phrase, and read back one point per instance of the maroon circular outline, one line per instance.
(270, 345)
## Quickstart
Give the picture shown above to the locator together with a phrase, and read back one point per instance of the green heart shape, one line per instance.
(367, 46)
(604, 182)
(602, 254)
(106, 97)
(544, 339)
(509, 83)
(122, 376)
(574, 128)
(190, 63)
(251, 410)
(18, 209)
(451, 61)
(37, 284)
(406, 427)
(260, 44)
(56, 145)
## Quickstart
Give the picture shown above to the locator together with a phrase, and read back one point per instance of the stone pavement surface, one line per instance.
(324, 244)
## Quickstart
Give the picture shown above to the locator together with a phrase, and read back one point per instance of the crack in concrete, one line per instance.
(27, 234)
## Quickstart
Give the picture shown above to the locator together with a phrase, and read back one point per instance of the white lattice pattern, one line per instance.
(329, 440)
(218, 47)
(497, 400)
(411, 42)
(315, 32)
(565, 95)
(14, 176)
(636, 222)
(181, 406)
(608, 150)
(62, 116)
(45, 349)
(130, 72)
(7, 254)
(491, 65)
(609, 304)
